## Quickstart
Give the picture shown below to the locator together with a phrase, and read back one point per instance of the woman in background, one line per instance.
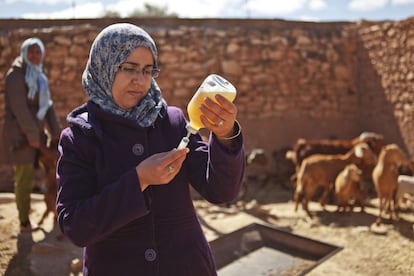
(29, 120)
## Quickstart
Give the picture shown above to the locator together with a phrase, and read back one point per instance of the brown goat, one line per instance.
(305, 148)
(349, 188)
(320, 171)
(385, 178)
(48, 157)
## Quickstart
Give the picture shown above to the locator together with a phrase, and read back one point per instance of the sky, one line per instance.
(297, 10)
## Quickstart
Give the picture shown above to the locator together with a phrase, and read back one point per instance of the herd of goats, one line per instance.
(329, 169)
(338, 169)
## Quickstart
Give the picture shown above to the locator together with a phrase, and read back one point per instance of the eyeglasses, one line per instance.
(132, 71)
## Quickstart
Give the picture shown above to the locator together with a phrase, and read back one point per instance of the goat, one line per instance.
(305, 148)
(257, 169)
(385, 178)
(257, 164)
(320, 170)
(405, 188)
(48, 156)
(282, 167)
(349, 189)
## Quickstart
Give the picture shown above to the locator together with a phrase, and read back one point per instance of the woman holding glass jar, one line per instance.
(123, 186)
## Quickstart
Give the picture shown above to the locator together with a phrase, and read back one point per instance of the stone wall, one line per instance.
(294, 79)
(386, 80)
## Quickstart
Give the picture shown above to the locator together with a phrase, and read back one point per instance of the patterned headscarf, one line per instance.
(35, 79)
(110, 49)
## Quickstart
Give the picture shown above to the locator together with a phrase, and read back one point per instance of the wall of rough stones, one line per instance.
(294, 79)
(386, 80)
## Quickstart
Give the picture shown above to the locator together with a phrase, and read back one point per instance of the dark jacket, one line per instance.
(125, 231)
(20, 122)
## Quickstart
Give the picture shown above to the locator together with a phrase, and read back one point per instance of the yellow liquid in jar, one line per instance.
(193, 107)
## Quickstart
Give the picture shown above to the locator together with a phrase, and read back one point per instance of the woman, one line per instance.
(123, 186)
(29, 115)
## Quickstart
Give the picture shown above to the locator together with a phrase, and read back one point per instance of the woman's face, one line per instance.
(34, 54)
(133, 78)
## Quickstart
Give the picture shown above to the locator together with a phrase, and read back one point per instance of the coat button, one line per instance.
(138, 149)
(150, 255)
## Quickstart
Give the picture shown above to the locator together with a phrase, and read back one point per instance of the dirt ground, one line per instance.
(385, 250)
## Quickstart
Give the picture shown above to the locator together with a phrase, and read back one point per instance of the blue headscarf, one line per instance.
(110, 49)
(35, 79)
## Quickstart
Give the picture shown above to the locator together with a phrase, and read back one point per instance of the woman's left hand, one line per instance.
(219, 117)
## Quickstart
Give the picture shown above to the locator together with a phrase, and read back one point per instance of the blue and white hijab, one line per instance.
(36, 80)
(110, 49)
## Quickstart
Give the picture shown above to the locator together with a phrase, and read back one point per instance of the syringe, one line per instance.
(186, 139)
(184, 142)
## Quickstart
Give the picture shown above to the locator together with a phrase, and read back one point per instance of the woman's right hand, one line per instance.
(160, 168)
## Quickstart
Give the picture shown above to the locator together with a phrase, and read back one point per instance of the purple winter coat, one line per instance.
(128, 232)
